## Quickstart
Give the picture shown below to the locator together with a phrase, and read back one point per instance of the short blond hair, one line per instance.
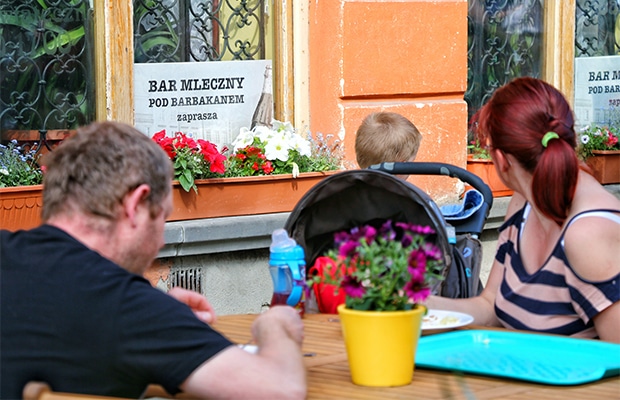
(386, 137)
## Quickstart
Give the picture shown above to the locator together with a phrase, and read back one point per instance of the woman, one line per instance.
(557, 266)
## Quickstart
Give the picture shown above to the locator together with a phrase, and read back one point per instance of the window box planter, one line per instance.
(20, 207)
(605, 166)
(485, 169)
(227, 197)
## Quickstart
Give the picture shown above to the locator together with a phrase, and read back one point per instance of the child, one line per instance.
(382, 137)
(386, 137)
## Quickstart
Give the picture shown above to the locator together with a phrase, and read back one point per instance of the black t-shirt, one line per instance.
(79, 322)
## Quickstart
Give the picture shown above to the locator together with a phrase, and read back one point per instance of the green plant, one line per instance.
(192, 159)
(280, 150)
(597, 138)
(18, 167)
(478, 151)
(391, 268)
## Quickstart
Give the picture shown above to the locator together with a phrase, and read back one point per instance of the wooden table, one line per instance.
(329, 377)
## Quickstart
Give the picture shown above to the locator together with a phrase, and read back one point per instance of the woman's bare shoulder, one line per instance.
(590, 195)
(516, 203)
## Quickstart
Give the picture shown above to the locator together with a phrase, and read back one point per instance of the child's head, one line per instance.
(386, 137)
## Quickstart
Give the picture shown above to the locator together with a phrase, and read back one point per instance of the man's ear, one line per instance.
(134, 200)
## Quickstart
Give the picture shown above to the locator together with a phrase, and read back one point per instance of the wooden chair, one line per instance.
(42, 391)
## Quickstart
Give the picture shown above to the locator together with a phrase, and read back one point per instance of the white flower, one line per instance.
(301, 145)
(295, 170)
(263, 133)
(283, 127)
(4, 171)
(585, 139)
(244, 139)
(277, 148)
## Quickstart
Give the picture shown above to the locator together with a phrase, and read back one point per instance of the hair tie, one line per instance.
(548, 136)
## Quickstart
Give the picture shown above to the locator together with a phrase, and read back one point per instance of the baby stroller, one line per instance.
(372, 196)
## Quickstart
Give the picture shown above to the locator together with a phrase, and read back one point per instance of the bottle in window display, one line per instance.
(263, 114)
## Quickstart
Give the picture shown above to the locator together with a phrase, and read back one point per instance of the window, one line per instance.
(46, 68)
(505, 41)
(597, 28)
(200, 30)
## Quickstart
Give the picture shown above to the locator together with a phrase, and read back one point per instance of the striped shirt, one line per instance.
(554, 299)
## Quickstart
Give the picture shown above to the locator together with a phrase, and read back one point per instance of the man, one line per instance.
(76, 312)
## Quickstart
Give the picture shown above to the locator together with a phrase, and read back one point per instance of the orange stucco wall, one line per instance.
(408, 57)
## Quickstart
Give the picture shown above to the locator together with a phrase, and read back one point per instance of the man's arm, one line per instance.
(277, 371)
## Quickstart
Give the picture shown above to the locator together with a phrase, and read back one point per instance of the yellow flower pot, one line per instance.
(381, 345)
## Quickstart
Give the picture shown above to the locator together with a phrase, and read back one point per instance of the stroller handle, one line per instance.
(437, 168)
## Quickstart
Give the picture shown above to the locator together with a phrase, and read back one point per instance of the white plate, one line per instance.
(440, 319)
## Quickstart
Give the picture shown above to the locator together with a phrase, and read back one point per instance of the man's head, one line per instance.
(386, 137)
(109, 186)
(92, 171)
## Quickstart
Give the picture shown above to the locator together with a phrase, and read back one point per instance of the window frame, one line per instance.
(114, 57)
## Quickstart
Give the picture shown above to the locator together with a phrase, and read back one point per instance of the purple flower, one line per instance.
(432, 251)
(386, 231)
(413, 228)
(406, 240)
(352, 287)
(347, 249)
(417, 264)
(367, 232)
(416, 290)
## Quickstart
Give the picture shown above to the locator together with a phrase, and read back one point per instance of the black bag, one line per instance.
(463, 276)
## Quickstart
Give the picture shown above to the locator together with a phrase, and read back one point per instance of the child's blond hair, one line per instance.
(386, 137)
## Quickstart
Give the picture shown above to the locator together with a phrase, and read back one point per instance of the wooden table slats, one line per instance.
(329, 377)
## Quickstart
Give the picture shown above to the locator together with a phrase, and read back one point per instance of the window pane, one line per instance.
(46, 65)
(199, 30)
(504, 42)
(597, 28)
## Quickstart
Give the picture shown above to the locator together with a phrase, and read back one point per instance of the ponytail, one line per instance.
(532, 121)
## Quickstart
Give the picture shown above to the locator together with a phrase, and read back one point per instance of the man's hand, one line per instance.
(279, 316)
(197, 302)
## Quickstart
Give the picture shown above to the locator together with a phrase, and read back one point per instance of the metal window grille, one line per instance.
(199, 30)
(504, 42)
(597, 28)
(46, 65)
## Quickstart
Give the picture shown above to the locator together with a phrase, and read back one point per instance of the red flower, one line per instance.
(267, 168)
(215, 159)
(611, 139)
(165, 143)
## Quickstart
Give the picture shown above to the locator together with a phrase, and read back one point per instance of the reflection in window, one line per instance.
(46, 66)
(597, 28)
(199, 30)
(504, 41)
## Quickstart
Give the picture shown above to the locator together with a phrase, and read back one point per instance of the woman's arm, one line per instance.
(591, 245)
(481, 307)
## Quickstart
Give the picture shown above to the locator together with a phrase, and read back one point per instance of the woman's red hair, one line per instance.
(515, 120)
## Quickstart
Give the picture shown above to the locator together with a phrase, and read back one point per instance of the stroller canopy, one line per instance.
(358, 197)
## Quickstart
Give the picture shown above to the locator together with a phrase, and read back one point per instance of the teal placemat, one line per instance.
(553, 360)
